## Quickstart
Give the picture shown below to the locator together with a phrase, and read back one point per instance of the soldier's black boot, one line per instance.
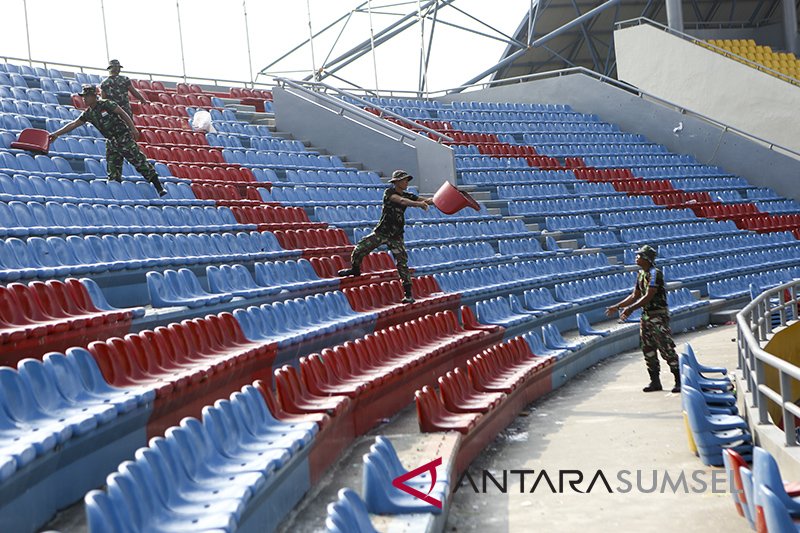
(655, 382)
(159, 188)
(409, 299)
(677, 373)
(354, 271)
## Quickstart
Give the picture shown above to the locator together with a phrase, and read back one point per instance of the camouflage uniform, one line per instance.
(119, 142)
(116, 88)
(655, 333)
(389, 231)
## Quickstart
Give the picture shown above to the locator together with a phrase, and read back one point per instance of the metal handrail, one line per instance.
(312, 85)
(754, 325)
(150, 75)
(727, 53)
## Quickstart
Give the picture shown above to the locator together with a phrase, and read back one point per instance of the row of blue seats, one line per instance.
(407, 102)
(521, 247)
(587, 150)
(591, 204)
(535, 127)
(457, 232)
(55, 124)
(584, 291)
(506, 311)
(97, 168)
(61, 87)
(291, 321)
(45, 258)
(511, 106)
(601, 239)
(44, 105)
(183, 288)
(338, 177)
(472, 162)
(485, 280)
(241, 129)
(20, 219)
(677, 170)
(202, 475)
(683, 300)
(40, 165)
(228, 115)
(28, 96)
(492, 177)
(583, 138)
(30, 71)
(736, 286)
(616, 161)
(79, 147)
(413, 113)
(682, 231)
(63, 190)
(533, 191)
(514, 116)
(277, 145)
(779, 206)
(44, 404)
(12, 80)
(570, 223)
(451, 255)
(224, 140)
(733, 243)
(654, 216)
(704, 184)
(281, 160)
(309, 196)
(733, 264)
(763, 194)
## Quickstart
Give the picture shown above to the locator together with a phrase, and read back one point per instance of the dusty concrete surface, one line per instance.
(602, 420)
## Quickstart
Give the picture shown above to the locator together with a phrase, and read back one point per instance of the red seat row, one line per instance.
(373, 264)
(228, 195)
(239, 92)
(170, 138)
(603, 174)
(158, 108)
(769, 223)
(683, 199)
(385, 297)
(462, 137)
(327, 241)
(543, 162)
(162, 123)
(148, 85)
(47, 316)
(175, 99)
(275, 217)
(728, 211)
(574, 162)
(642, 186)
(506, 150)
(188, 88)
(203, 156)
(204, 174)
(493, 378)
(189, 364)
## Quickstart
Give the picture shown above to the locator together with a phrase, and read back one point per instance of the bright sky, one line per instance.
(144, 36)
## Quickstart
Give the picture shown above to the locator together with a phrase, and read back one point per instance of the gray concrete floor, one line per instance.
(602, 420)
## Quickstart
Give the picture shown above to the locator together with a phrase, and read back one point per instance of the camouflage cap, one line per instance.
(648, 252)
(88, 90)
(113, 63)
(399, 175)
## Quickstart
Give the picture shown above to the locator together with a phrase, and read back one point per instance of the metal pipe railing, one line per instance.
(754, 327)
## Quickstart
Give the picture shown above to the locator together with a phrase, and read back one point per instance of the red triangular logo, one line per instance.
(399, 482)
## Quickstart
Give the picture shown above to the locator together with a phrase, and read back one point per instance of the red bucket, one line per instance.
(449, 199)
(33, 140)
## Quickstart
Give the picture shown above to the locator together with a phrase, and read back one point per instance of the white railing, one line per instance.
(138, 75)
(754, 327)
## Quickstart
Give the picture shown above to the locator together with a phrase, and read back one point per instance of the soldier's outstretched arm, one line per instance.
(138, 95)
(641, 302)
(77, 123)
(407, 202)
(632, 297)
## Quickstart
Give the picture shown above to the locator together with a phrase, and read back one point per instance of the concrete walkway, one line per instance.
(602, 420)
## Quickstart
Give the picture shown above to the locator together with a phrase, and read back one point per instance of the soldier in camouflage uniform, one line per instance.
(390, 228)
(650, 295)
(116, 88)
(120, 133)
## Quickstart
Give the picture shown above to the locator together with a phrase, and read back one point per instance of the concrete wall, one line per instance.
(344, 129)
(699, 79)
(706, 141)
